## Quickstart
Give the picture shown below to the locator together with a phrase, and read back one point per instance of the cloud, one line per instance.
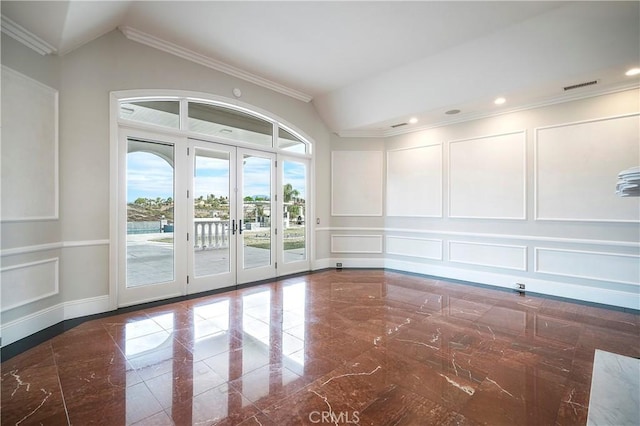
(148, 176)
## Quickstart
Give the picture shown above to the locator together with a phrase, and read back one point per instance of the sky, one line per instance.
(149, 176)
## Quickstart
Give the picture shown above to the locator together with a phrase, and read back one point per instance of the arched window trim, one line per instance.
(184, 97)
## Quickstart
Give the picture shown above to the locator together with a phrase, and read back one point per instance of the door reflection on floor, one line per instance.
(203, 363)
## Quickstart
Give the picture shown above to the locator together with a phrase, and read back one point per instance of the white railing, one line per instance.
(210, 233)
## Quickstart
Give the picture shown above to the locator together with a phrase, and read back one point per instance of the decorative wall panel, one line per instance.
(415, 247)
(356, 243)
(577, 168)
(602, 266)
(494, 255)
(414, 182)
(356, 183)
(28, 282)
(487, 177)
(29, 149)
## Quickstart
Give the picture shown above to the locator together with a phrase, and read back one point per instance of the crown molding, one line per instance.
(525, 107)
(373, 133)
(174, 49)
(26, 37)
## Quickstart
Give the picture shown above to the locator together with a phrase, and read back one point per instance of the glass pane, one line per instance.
(294, 197)
(211, 212)
(230, 124)
(288, 142)
(150, 195)
(161, 113)
(256, 211)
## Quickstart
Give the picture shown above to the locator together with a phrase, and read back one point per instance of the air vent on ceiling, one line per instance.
(579, 85)
(398, 125)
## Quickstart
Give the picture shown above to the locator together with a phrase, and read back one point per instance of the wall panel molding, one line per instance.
(568, 190)
(26, 283)
(485, 185)
(356, 244)
(578, 241)
(414, 247)
(491, 255)
(30, 149)
(52, 246)
(620, 268)
(414, 181)
(356, 183)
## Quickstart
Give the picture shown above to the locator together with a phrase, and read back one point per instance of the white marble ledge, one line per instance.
(615, 390)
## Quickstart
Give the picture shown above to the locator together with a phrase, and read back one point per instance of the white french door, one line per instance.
(198, 216)
(151, 262)
(212, 216)
(293, 228)
(257, 216)
(232, 199)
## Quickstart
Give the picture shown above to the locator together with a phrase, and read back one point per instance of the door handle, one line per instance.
(240, 226)
(233, 227)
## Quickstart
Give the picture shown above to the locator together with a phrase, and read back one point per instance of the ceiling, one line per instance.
(367, 66)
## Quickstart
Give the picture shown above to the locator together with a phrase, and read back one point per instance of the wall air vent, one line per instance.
(579, 85)
(398, 125)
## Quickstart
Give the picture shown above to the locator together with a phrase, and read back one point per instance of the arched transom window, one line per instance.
(215, 119)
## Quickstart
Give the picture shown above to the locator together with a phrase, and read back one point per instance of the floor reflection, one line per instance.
(249, 362)
(383, 347)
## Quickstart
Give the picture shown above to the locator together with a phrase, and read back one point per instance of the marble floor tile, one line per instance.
(32, 396)
(366, 347)
(615, 390)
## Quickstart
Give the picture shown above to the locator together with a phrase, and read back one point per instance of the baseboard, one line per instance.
(349, 263)
(84, 307)
(23, 327)
(13, 331)
(565, 290)
(582, 293)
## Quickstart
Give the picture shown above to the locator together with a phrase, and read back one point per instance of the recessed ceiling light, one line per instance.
(452, 112)
(632, 72)
(499, 101)
(413, 120)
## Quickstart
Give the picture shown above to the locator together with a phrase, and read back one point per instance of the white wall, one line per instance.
(79, 238)
(525, 197)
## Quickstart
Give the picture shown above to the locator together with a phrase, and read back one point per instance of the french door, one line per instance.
(152, 262)
(231, 208)
(202, 216)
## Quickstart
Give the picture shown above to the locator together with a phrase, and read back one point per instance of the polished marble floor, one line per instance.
(366, 347)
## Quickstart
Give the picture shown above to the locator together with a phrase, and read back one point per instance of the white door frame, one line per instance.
(196, 283)
(119, 124)
(247, 275)
(286, 268)
(146, 293)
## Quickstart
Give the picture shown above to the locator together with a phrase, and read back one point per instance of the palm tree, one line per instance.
(289, 193)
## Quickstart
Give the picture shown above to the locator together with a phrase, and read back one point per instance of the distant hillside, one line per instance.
(144, 213)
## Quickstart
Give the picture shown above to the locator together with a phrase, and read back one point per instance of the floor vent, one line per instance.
(579, 85)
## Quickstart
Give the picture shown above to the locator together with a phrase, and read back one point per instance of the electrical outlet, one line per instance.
(520, 286)
(318, 221)
(338, 265)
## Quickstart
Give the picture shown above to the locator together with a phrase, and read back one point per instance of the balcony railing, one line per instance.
(210, 234)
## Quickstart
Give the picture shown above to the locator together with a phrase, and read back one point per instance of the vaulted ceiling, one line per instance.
(368, 66)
